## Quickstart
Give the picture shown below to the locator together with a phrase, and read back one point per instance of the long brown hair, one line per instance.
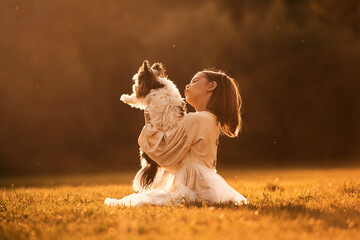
(225, 102)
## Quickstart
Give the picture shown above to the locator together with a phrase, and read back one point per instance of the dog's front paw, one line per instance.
(132, 100)
(125, 98)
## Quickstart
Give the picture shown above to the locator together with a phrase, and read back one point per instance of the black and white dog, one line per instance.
(153, 91)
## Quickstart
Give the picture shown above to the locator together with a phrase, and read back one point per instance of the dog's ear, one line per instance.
(146, 76)
(145, 67)
(159, 69)
(146, 80)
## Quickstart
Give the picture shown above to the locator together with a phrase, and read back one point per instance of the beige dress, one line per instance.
(187, 159)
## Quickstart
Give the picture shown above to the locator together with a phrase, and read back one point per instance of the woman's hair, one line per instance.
(225, 102)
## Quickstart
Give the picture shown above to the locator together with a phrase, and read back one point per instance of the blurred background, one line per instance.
(64, 65)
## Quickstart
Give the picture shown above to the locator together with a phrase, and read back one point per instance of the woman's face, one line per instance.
(197, 90)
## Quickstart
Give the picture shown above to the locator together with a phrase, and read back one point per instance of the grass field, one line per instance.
(285, 204)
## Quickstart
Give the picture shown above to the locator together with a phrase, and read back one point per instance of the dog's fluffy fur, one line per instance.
(153, 91)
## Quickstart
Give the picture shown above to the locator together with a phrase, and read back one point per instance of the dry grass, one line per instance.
(285, 204)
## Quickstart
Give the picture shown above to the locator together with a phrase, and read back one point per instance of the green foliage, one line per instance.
(284, 204)
(64, 65)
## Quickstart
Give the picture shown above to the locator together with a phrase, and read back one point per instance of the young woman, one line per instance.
(187, 155)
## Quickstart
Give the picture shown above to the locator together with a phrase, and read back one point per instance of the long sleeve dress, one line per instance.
(187, 159)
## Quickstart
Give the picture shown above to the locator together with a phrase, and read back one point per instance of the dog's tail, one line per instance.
(146, 175)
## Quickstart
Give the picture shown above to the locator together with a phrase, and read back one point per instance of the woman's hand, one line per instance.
(146, 116)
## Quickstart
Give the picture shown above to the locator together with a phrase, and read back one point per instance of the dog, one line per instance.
(159, 96)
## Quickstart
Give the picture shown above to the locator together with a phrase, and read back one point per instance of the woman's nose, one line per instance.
(187, 86)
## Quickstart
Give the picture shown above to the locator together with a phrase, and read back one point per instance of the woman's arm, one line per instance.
(146, 117)
(169, 149)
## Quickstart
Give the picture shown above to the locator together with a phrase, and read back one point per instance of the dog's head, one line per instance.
(147, 78)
